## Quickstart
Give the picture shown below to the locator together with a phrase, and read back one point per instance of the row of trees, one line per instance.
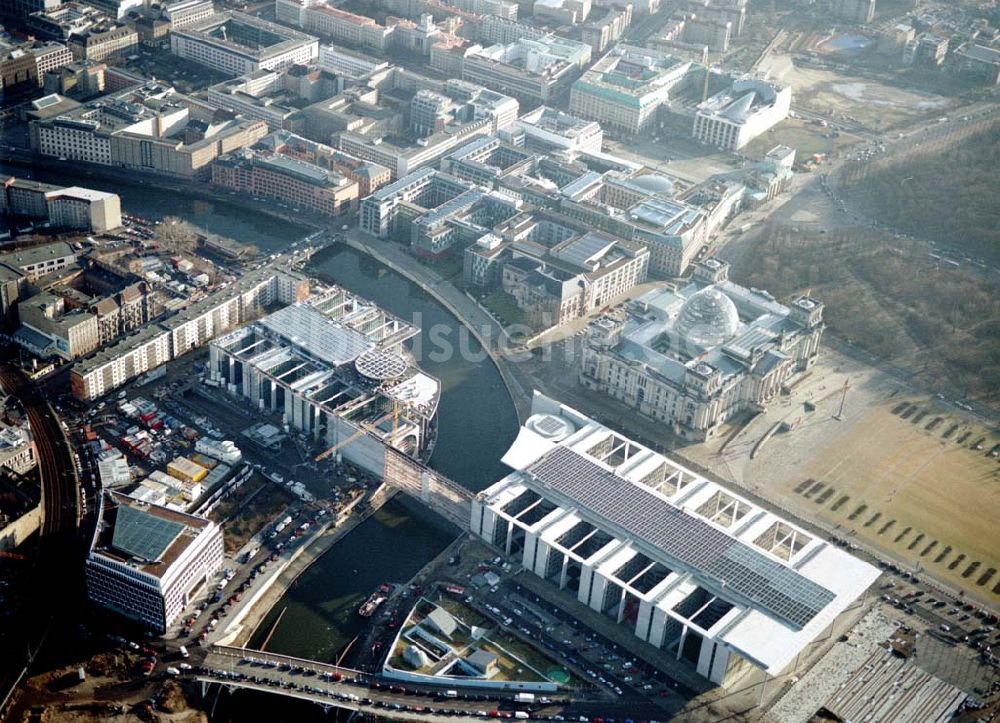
(892, 298)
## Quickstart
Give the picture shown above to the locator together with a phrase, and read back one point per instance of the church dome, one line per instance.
(708, 318)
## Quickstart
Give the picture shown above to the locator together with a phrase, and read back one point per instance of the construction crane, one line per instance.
(393, 415)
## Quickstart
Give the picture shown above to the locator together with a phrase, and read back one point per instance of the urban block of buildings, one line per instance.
(235, 43)
(194, 326)
(553, 162)
(537, 70)
(725, 586)
(697, 357)
(76, 306)
(624, 90)
(146, 562)
(740, 113)
(306, 185)
(557, 281)
(333, 366)
(148, 128)
(67, 207)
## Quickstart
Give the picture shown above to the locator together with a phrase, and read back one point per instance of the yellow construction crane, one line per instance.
(394, 415)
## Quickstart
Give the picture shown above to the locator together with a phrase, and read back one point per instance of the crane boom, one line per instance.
(393, 415)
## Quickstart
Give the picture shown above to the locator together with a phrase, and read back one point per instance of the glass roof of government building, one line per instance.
(707, 551)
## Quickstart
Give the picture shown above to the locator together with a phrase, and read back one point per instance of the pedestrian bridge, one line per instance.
(416, 479)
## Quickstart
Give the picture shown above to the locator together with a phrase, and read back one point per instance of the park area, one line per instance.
(935, 322)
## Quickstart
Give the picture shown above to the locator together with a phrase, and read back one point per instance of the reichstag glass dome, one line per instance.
(708, 318)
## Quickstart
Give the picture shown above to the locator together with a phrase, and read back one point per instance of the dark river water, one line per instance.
(476, 424)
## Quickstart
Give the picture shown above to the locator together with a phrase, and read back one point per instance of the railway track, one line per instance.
(60, 495)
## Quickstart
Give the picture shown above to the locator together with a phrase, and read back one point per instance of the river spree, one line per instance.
(476, 424)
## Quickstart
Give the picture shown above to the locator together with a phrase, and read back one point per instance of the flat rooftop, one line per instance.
(245, 34)
(146, 537)
(783, 585)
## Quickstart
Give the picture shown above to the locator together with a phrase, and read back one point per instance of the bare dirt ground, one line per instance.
(112, 693)
(873, 104)
(898, 472)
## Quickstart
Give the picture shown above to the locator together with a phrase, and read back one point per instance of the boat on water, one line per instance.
(369, 606)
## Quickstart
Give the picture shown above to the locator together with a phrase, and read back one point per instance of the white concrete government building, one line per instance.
(689, 566)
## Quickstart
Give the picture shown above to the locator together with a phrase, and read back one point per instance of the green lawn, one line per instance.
(503, 306)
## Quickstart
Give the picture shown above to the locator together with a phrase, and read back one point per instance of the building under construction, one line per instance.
(336, 369)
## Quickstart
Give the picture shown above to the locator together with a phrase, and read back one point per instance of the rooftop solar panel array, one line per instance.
(143, 535)
(694, 543)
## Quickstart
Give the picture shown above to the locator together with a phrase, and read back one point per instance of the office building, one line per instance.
(101, 42)
(147, 562)
(65, 20)
(745, 110)
(930, 51)
(402, 156)
(726, 587)
(81, 79)
(538, 70)
(346, 62)
(260, 95)
(23, 65)
(548, 130)
(37, 261)
(17, 450)
(698, 357)
(13, 285)
(722, 12)
(331, 367)
(21, 10)
(645, 209)
(345, 27)
(144, 128)
(181, 13)
(606, 27)
(72, 207)
(486, 160)
(568, 275)
(302, 184)
(861, 12)
(49, 328)
(978, 63)
(235, 43)
(389, 210)
(624, 90)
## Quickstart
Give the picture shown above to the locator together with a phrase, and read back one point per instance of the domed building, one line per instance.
(707, 318)
(696, 357)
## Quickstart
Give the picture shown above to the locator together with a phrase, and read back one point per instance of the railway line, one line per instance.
(61, 504)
